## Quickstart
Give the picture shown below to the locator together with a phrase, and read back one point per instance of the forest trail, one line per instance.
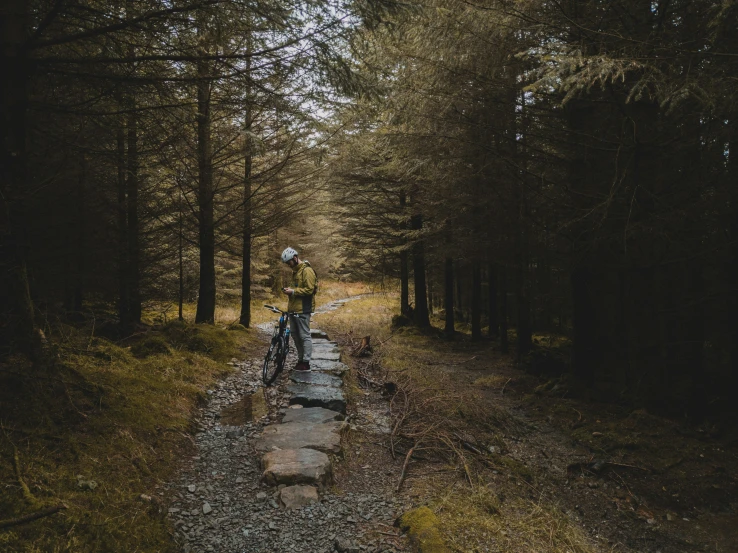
(529, 467)
(550, 473)
(221, 502)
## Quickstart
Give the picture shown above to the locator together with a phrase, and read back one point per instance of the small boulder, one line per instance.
(294, 497)
(297, 466)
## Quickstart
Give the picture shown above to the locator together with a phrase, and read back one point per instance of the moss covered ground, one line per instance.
(103, 424)
(99, 428)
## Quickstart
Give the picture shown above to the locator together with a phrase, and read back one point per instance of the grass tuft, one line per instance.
(479, 520)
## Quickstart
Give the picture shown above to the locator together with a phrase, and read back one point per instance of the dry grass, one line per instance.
(457, 432)
(101, 414)
(479, 520)
(229, 312)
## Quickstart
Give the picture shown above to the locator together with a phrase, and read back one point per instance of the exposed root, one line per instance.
(33, 516)
(27, 495)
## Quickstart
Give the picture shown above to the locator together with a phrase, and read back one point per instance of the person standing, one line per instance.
(301, 295)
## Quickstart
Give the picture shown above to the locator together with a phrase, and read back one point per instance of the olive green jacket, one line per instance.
(304, 282)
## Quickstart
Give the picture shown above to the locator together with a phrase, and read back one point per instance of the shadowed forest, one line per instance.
(548, 185)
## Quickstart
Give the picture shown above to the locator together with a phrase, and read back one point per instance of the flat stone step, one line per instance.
(317, 378)
(327, 347)
(310, 395)
(315, 415)
(323, 365)
(294, 497)
(317, 333)
(297, 466)
(325, 437)
(323, 343)
(324, 356)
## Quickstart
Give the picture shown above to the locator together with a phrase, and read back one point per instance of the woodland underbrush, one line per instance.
(519, 458)
(88, 437)
(449, 439)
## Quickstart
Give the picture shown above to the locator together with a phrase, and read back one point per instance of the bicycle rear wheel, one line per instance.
(273, 361)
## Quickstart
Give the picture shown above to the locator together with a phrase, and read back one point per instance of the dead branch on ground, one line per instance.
(7, 523)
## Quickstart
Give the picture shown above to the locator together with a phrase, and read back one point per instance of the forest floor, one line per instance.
(506, 461)
(510, 462)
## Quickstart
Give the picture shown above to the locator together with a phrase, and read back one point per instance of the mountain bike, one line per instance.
(279, 347)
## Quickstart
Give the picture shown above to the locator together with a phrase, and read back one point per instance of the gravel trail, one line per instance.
(219, 502)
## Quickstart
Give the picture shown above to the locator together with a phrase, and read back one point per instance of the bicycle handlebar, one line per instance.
(278, 310)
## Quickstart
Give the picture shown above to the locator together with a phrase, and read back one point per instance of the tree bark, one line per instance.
(79, 241)
(493, 306)
(420, 313)
(245, 318)
(404, 271)
(124, 316)
(14, 68)
(448, 299)
(459, 293)
(476, 306)
(504, 344)
(180, 256)
(584, 344)
(732, 272)
(132, 186)
(206, 297)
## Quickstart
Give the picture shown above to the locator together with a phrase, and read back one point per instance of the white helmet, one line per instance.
(288, 254)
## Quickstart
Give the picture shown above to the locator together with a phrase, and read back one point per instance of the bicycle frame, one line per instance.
(281, 341)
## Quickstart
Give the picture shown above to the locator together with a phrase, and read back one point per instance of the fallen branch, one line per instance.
(598, 466)
(33, 516)
(365, 348)
(404, 467)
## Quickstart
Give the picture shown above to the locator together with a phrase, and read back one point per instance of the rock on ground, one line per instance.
(325, 437)
(297, 466)
(294, 497)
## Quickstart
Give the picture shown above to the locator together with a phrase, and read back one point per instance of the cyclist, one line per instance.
(301, 300)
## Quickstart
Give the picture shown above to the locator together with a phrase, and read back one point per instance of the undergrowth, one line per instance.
(99, 429)
(481, 520)
(460, 478)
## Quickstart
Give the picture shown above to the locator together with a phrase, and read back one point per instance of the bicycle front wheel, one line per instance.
(273, 361)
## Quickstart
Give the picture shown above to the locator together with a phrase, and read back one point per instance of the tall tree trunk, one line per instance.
(476, 306)
(493, 306)
(420, 313)
(404, 283)
(14, 68)
(74, 298)
(732, 272)
(695, 341)
(132, 189)
(584, 345)
(245, 318)
(123, 301)
(404, 271)
(504, 345)
(459, 292)
(180, 256)
(132, 186)
(206, 297)
(522, 277)
(448, 299)
(522, 303)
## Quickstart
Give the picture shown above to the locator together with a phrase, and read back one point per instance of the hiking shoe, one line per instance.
(302, 366)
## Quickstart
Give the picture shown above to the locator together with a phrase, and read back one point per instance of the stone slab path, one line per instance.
(266, 483)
